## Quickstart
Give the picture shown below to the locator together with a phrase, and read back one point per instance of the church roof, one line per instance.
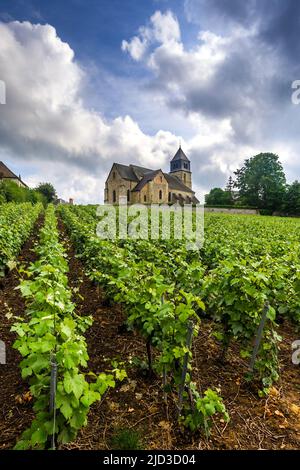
(140, 171)
(180, 155)
(176, 184)
(146, 179)
(131, 172)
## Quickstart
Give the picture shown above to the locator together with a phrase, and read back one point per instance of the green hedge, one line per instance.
(12, 192)
(219, 206)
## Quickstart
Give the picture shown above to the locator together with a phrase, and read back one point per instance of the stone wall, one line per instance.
(232, 211)
(117, 184)
(184, 176)
(149, 194)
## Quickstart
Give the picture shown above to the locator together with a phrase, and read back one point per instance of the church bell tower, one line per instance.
(180, 166)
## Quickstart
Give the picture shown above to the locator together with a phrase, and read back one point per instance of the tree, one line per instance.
(230, 185)
(292, 199)
(218, 197)
(48, 190)
(261, 182)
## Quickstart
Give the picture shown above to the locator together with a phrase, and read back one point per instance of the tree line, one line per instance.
(260, 183)
(12, 192)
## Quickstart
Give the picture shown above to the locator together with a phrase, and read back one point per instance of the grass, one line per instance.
(126, 439)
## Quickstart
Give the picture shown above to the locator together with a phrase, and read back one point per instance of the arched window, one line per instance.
(160, 194)
(128, 195)
(114, 175)
(145, 198)
(161, 179)
(114, 196)
(169, 197)
(184, 177)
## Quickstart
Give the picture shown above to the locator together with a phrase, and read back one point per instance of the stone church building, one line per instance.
(143, 185)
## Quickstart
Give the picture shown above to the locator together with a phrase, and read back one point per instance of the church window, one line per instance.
(145, 198)
(160, 194)
(161, 179)
(128, 195)
(114, 196)
(169, 197)
(184, 177)
(186, 166)
(114, 175)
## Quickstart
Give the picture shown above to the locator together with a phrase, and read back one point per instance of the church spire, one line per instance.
(180, 166)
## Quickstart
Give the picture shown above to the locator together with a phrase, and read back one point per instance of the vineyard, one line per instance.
(145, 343)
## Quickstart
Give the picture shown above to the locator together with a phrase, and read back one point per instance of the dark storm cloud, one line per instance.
(277, 21)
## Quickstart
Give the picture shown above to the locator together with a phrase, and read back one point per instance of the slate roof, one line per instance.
(176, 183)
(5, 172)
(180, 155)
(140, 171)
(131, 172)
(146, 178)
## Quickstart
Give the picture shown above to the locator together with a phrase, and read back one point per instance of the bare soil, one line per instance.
(137, 403)
(15, 400)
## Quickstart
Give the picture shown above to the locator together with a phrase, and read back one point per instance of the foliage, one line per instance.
(126, 439)
(16, 223)
(53, 331)
(245, 262)
(292, 199)
(261, 182)
(154, 297)
(218, 196)
(204, 410)
(48, 191)
(12, 192)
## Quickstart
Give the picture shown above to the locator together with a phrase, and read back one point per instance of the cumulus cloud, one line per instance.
(45, 120)
(163, 28)
(238, 74)
(227, 95)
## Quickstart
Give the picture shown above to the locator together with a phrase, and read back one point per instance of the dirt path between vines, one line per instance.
(137, 404)
(15, 400)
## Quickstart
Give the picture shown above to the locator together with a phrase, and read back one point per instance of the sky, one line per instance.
(92, 82)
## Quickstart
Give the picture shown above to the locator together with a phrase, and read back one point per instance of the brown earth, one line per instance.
(15, 401)
(137, 403)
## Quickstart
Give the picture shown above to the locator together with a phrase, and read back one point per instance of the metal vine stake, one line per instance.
(258, 337)
(190, 329)
(164, 369)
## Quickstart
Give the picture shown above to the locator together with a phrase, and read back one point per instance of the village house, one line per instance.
(143, 185)
(7, 175)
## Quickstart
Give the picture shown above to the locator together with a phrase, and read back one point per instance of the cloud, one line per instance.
(163, 28)
(47, 123)
(237, 72)
(226, 94)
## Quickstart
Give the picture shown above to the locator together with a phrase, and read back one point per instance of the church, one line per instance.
(145, 186)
